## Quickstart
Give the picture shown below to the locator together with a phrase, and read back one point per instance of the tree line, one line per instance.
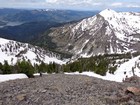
(99, 64)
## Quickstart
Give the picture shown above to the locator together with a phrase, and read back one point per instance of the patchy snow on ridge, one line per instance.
(13, 51)
(9, 77)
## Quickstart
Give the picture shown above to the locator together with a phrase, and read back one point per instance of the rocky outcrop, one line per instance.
(133, 90)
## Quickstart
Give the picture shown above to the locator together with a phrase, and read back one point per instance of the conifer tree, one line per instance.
(6, 68)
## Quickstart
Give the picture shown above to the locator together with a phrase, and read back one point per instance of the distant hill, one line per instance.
(26, 31)
(43, 15)
(51, 15)
(32, 23)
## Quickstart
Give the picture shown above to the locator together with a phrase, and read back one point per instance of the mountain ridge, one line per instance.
(106, 32)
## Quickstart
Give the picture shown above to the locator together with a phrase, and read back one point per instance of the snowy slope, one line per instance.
(4, 78)
(13, 51)
(124, 24)
(119, 75)
(127, 67)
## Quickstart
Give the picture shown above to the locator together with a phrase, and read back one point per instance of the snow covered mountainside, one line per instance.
(13, 51)
(107, 32)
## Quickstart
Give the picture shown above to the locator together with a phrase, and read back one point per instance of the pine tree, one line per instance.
(6, 68)
(26, 67)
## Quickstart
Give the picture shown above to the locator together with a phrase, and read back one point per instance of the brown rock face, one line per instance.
(134, 90)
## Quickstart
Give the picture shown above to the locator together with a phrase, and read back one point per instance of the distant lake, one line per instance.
(12, 24)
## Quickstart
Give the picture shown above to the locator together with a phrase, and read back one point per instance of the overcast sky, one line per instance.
(72, 4)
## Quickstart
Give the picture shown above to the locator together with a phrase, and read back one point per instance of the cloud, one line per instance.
(71, 4)
(116, 4)
(51, 1)
(133, 6)
(74, 4)
(22, 2)
(125, 5)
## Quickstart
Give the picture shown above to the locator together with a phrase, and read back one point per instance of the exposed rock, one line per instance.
(133, 90)
(133, 79)
(21, 97)
(43, 91)
(0, 102)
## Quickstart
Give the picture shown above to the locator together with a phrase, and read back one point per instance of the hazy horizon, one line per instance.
(80, 5)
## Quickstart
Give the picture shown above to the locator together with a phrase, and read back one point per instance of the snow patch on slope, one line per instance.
(83, 46)
(85, 24)
(4, 78)
(3, 41)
